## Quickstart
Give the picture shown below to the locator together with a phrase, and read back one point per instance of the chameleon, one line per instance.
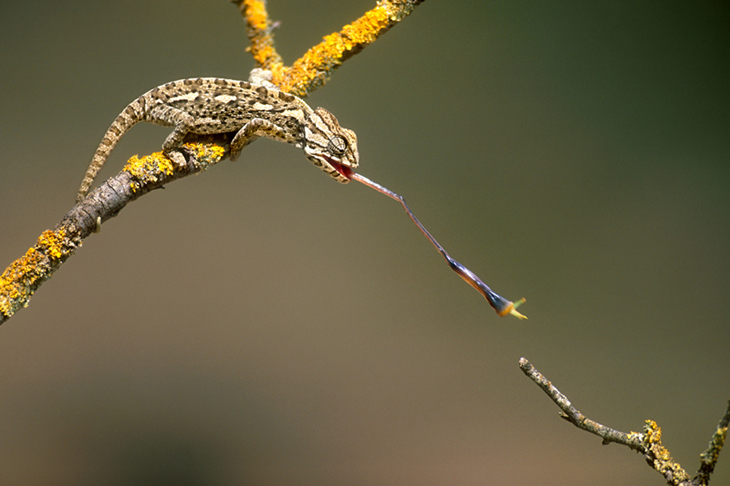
(254, 108)
(257, 108)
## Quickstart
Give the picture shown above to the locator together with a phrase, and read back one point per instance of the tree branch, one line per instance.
(315, 67)
(648, 443)
(259, 30)
(708, 459)
(54, 247)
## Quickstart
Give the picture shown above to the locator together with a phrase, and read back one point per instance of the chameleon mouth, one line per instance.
(342, 169)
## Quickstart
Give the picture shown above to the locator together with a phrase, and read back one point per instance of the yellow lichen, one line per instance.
(652, 431)
(365, 29)
(53, 243)
(206, 153)
(262, 44)
(663, 461)
(148, 169)
(149, 165)
(16, 282)
(163, 163)
(315, 66)
(256, 13)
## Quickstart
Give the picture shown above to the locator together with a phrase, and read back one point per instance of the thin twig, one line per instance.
(572, 415)
(708, 459)
(648, 443)
(260, 38)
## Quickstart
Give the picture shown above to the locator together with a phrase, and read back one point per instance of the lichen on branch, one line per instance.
(315, 67)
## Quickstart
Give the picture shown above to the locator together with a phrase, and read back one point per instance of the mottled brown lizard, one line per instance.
(252, 109)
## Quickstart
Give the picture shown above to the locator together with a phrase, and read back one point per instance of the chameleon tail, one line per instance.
(131, 115)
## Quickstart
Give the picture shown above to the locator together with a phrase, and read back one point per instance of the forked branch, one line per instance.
(314, 68)
(22, 277)
(648, 443)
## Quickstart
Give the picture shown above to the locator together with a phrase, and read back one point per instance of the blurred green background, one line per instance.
(260, 324)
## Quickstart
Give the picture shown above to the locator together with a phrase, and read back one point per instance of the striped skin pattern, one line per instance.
(251, 109)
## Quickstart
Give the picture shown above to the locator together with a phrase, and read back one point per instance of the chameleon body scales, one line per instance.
(251, 109)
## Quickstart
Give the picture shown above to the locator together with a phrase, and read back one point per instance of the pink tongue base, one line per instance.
(344, 170)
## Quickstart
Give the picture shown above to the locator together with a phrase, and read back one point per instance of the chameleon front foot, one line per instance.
(178, 159)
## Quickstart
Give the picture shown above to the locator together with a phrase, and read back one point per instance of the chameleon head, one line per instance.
(329, 146)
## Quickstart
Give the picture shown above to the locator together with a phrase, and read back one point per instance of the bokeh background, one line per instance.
(260, 324)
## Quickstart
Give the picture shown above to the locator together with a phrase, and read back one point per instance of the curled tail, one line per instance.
(132, 114)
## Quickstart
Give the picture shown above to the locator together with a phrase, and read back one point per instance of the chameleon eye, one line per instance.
(337, 145)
